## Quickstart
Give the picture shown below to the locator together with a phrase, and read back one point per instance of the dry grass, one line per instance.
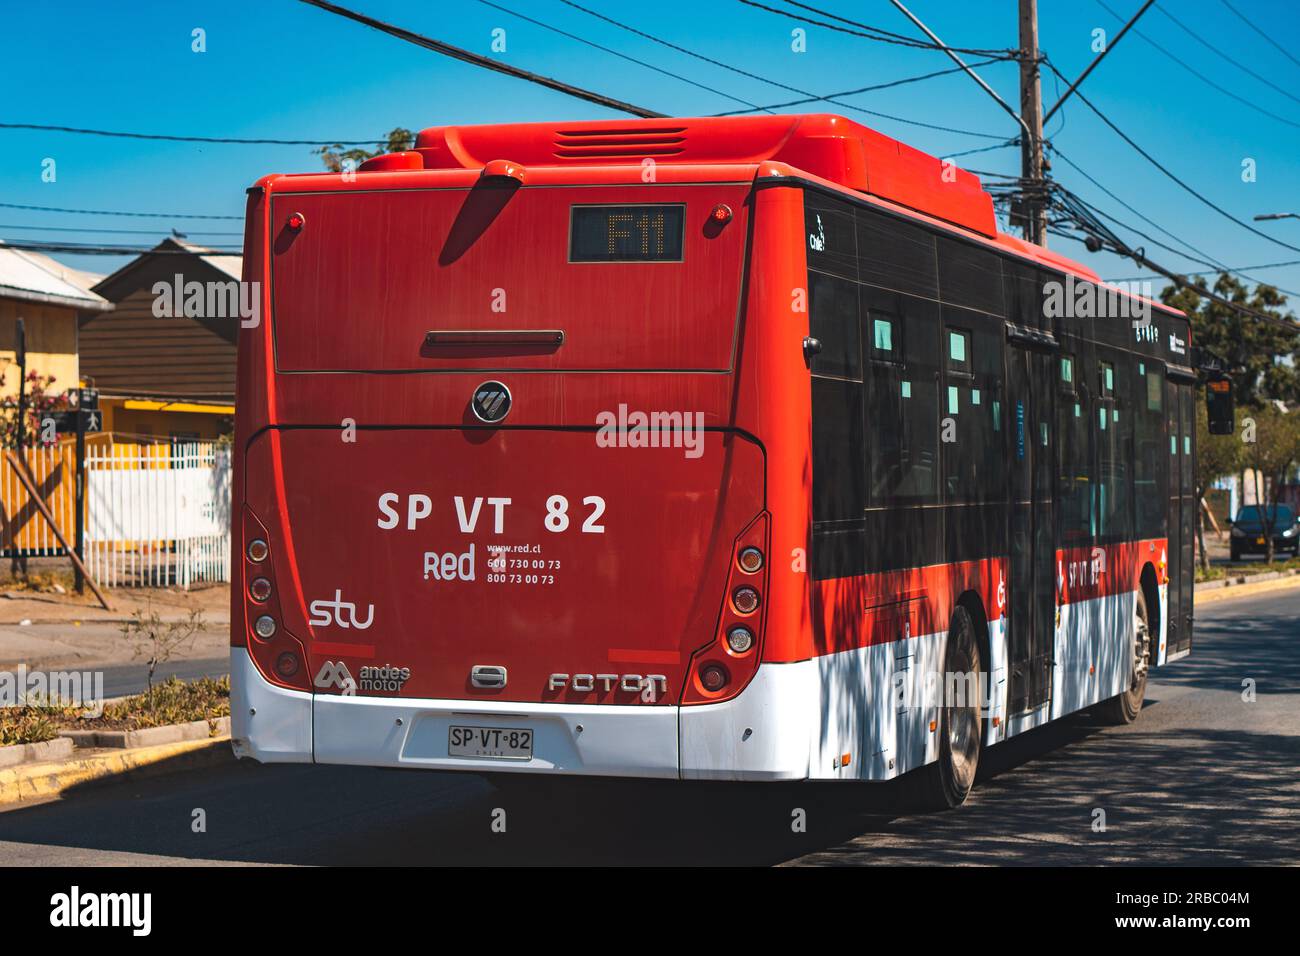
(174, 702)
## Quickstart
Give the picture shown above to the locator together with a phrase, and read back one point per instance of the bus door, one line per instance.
(1032, 604)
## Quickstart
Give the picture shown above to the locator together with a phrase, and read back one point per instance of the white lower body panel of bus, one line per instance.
(741, 739)
(861, 714)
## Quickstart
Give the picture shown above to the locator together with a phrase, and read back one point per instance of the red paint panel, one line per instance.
(371, 272)
(859, 611)
(426, 595)
(1086, 573)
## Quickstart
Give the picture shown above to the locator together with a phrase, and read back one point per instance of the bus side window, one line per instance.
(839, 455)
(1074, 416)
(1149, 464)
(833, 320)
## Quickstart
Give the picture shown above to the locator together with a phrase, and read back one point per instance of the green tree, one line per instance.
(1217, 456)
(1263, 357)
(335, 156)
(1271, 455)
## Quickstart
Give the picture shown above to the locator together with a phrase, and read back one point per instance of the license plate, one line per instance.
(1259, 540)
(490, 743)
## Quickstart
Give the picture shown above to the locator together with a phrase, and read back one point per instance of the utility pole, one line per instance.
(1031, 115)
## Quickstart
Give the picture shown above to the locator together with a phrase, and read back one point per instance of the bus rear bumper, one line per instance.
(741, 739)
(267, 723)
(590, 740)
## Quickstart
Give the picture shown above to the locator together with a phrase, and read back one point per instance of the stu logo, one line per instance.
(340, 612)
(75, 908)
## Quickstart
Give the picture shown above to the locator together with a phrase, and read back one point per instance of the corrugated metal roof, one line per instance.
(232, 266)
(38, 278)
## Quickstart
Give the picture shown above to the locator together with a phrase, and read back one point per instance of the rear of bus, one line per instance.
(512, 428)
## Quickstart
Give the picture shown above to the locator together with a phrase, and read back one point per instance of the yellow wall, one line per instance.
(162, 423)
(51, 344)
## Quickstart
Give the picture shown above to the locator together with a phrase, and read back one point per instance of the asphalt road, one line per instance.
(1204, 777)
(123, 679)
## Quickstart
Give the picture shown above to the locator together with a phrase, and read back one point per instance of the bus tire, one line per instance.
(1124, 708)
(947, 782)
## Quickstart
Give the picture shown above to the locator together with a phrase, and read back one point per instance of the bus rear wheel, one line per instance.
(1124, 708)
(947, 782)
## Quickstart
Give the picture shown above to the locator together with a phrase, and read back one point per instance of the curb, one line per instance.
(31, 782)
(1209, 592)
(149, 736)
(59, 748)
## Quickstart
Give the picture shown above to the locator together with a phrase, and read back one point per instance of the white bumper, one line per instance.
(763, 734)
(268, 723)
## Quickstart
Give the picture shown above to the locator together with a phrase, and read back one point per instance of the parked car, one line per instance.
(1248, 531)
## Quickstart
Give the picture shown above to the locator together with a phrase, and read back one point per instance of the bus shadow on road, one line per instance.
(1219, 800)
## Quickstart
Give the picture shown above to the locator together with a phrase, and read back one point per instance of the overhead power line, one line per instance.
(866, 31)
(106, 212)
(1245, 101)
(132, 232)
(84, 249)
(1207, 260)
(1219, 52)
(1251, 23)
(1211, 263)
(1097, 60)
(1158, 165)
(190, 139)
(621, 56)
(862, 89)
(680, 49)
(809, 97)
(1211, 272)
(465, 56)
(1080, 216)
(1201, 257)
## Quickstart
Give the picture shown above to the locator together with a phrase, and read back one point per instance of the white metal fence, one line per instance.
(157, 515)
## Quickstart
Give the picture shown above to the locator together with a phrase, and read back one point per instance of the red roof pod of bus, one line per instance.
(838, 152)
(831, 147)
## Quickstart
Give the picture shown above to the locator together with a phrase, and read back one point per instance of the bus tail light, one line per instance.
(745, 600)
(278, 655)
(713, 677)
(740, 640)
(287, 665)
(721, 669)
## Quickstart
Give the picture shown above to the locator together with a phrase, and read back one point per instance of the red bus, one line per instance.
(691, 448)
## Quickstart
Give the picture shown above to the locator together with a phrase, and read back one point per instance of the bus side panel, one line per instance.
(767, 731)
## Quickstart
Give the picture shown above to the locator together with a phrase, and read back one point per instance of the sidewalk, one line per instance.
(65, 631)
(49, 607)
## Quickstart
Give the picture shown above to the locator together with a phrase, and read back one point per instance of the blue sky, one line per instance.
(283, 69)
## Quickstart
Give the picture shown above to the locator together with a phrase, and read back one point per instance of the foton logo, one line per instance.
(648, 686)
(324, 613)
(337, 675)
